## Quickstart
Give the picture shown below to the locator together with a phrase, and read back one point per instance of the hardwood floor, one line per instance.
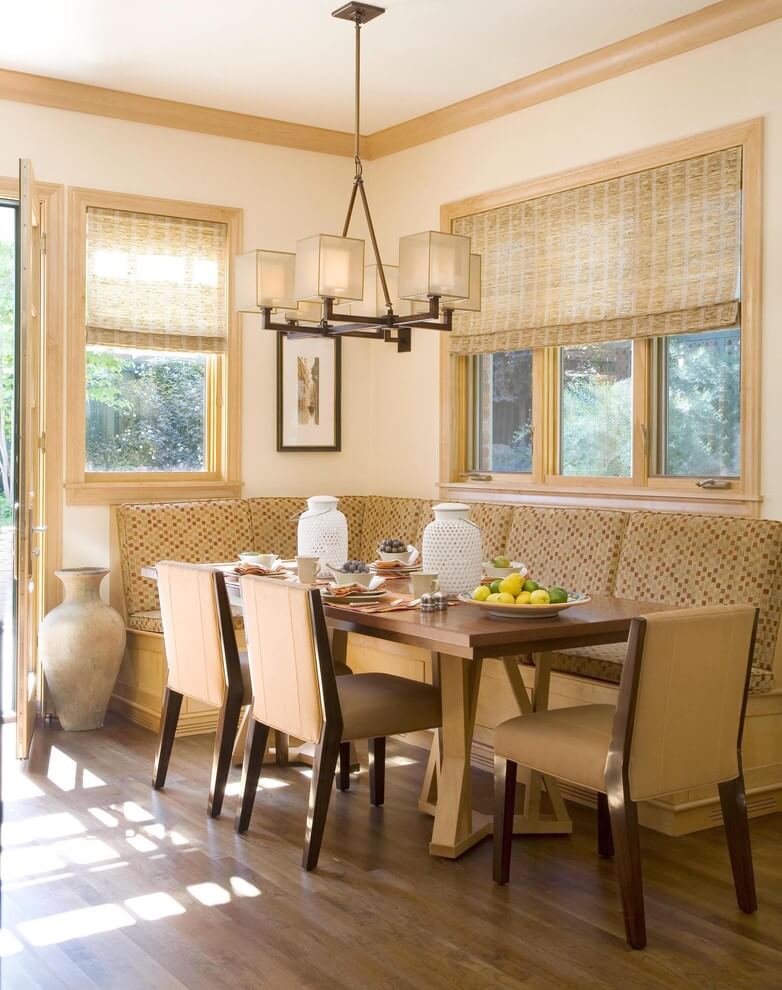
(109, 884)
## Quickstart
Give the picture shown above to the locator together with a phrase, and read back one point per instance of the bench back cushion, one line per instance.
(575, 548)
(275, 523)
(686, 559)
(210, 530)
(493, 519)
(386, 517)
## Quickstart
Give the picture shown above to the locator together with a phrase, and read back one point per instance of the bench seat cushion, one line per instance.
(151, 621)
(604, 663)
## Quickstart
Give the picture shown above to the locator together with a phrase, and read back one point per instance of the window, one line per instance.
(699, 407)
(503, 408)
(156, 349)
(616, 354)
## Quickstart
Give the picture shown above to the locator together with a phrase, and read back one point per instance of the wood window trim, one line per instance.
(543, 485)
(53, 215)
(223, 386)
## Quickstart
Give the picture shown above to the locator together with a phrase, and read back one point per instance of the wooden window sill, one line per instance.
(114, 492)
(676, 499)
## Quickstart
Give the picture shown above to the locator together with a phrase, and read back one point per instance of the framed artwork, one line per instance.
(309, 399)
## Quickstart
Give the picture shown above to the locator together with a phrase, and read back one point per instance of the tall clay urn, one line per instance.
(81, 644)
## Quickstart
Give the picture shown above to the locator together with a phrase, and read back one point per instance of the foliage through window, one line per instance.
(146, 410)
(7, 349)
(504, 407)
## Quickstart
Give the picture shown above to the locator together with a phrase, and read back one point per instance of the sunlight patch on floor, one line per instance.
(41, 827)
(104, 817)
(28, 861)
(133, 811)
(19, 787)
(61, 770)
(243, 888)
(86, 851)
(9, 943)
(140, 842)
(79, 923)
(153, 907)
(209, 893)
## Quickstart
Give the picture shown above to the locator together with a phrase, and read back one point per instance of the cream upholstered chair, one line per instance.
(295, 690)
(677, 725)
(203, 663)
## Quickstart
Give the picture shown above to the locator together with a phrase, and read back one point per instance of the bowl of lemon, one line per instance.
(516, 596)
(501, 567)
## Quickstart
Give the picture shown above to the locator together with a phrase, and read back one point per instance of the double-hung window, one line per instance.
(616, 352)
(154, 366)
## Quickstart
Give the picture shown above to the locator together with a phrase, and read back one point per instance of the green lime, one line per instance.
(558, 596)
(501, 562)
(495, 586)
(530, 586)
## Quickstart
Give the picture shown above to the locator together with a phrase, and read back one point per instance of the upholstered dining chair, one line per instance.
(203, 663)
(677, 725)
(296, 690)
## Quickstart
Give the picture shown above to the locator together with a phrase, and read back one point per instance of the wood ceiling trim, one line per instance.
(713, 23)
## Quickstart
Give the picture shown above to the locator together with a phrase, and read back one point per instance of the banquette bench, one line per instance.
(672, 558)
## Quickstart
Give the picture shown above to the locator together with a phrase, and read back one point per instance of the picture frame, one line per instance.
(309, 394)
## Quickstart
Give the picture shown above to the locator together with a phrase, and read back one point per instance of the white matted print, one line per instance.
(308, 393)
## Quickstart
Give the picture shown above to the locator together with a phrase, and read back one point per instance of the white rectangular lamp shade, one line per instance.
(329, 267)
(473, 302)
(434, 264)
(312, 312)
(374, 302)
(265, 279)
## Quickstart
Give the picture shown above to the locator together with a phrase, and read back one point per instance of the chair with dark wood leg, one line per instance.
(677, 726)
(296, 690)
(203, 663)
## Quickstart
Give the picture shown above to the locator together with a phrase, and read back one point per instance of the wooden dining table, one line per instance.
(459, 639)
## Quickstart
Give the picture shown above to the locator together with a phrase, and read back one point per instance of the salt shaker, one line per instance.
(439, 601)
(427, 604)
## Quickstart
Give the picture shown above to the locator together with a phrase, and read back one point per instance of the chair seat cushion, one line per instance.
(568, 743)
(152, 622)
(376, 705)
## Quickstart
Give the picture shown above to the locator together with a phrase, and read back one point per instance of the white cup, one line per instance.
(307, 569)
(425, 584)
(267, 559)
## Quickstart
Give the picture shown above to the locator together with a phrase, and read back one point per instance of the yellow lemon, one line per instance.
(511, 585)
(481, 593)
(523, 598)
(495, 597)
(539, 597)
(505, 598)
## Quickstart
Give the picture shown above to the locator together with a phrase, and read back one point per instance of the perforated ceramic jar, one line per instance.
(323, 531)
(452, 548)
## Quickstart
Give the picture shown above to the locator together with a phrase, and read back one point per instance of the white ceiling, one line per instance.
(289, 59)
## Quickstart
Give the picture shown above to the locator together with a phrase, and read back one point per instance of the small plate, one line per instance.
(359, 596)
(501, 610)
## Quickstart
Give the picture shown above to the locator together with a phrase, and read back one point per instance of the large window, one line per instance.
(617, 351)
(155, 353)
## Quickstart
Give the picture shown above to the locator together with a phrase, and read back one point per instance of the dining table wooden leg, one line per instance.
(456, 826)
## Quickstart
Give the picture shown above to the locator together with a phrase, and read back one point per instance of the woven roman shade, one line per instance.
(156, 282)
(652, 253)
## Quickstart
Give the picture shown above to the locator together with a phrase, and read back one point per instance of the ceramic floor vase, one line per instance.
(81, 645)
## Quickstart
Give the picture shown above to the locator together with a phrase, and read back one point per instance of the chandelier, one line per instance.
(311, 292)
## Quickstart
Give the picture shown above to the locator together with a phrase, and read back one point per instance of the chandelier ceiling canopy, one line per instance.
(316, 288)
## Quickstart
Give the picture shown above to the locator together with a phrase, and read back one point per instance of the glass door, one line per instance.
(29, 455)
(8, 302)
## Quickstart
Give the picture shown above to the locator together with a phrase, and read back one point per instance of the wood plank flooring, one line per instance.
(108, 884)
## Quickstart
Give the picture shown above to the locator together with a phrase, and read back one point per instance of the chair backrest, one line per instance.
(197, 630)
(682, 698)
(291, 668)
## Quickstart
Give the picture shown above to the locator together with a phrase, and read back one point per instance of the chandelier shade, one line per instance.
(473, 302)
(329, 267)
(265, 278)
(434, 264)
(374, 302)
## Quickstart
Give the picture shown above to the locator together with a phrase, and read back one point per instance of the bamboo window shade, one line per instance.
(156, 282)
(652, 253)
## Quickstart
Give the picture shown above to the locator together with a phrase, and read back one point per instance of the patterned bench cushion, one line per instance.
(208, 530)
(604, 663)
(151, 621)
(685, 559)
(274, 522)
(575, 548)
(386, 516)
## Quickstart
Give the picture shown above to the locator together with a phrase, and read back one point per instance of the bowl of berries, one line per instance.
(352, 572)
(393, 549)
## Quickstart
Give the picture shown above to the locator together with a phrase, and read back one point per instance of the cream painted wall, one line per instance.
(285, 195)
(732, 80)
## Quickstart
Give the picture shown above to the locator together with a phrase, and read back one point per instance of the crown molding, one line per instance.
(44, 91)
(712, 23)
(702, 27)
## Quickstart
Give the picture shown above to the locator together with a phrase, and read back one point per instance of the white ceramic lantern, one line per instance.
(452, 548)
(323, 531)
